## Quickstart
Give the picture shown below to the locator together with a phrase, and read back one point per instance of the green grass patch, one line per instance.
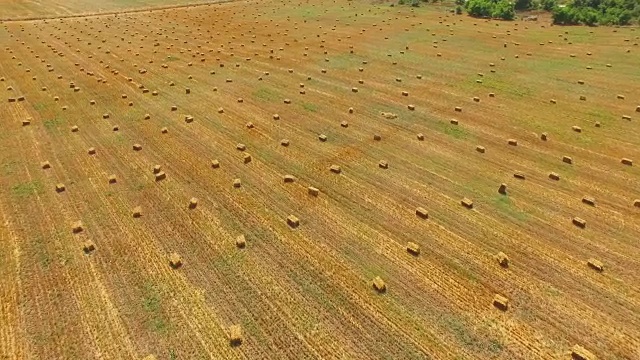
(40, 106)
(309, 107)
(454, 131)
(8, 167)
(504, 204)
(266, 94)
(27, 189)
(152, 305)
(52, 123)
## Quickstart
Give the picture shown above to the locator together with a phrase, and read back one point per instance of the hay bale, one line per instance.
(241, 147)
(287, 101)
(454, 122)
(626, 117)
(164, 130)
(75, 128)
(91, 151)
(88, 247)
(147, 116)
(377, 137)
(241, 242)
(60, 187)
(581, 223)
(193, 203)
(492, 95)
(188, 119)
(26, 122)
(626, 161)
(597, 124)
(458, 109)
(45, 165)
(137, 147)
(246, 158)
(554, 176)
(379, 284)
(589, 200)
(413, 248)
(422, 213)
(354, 89)
(567, 159)
(638, 108)
(77, 227)
(580, 353)
(105, 116)
(351, 110)
(411, 107)
(12, 99)
(502, 189)
(553, 101)
(501, 302)
(137, 212)
(335, 169)
(467, 203)
(313, 191)
(544, 136)
(420, 136)
(215, 164)
(187, 91)
(288, 178)
(293, 221)
(512, 142)
(476, 99)
(583, 98)
(112, 179)
(576, 128)
(276, 117)
(502, 259)
(235, 335)
(383, 164)
(636, 203)
(284, 142)
(480, 149)
(175, 260)
(249, 125)
(237, 183)
(621, 97)
(322, 137)
(519, 175)
(174, 108)
(596, 265)
(344, 124)
(160, 176)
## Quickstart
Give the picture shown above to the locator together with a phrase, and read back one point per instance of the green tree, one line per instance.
(549, 4)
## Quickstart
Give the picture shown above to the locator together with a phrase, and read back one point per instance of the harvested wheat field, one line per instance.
(317, 180)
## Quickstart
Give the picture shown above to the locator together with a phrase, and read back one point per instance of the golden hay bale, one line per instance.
(112, 179)
(188, 119)
(638, 108)
(175, 260)
(405, 93)
(137, 147)
(45, 165)
(174, 108)
(322, 137)
(147, 116)
(379, 284)
(293, 221)
(589, 200)
(453, 121)
(91, 151)
(235, 335)
(60, 187)
(241, 242)
(75, 128)
(502, 189)
(544, 136)
(377, 137)
(313, 191)
(350, 110)
(335, 169)
(519, 175)
(580, 353)
(467, 203)
(287, 101)
(276, 117)
(411, 107)
(354, 89)
(422, 213)
(193, 203)
(105, 116)
(636, 203)
(246, 158)
(567, 159)
(626, 161)
(420, 136)
(187, 91)
(77, 227)
(502, 259)
(583, 98)
(501, 302)
(413, 248)
(137, 212)
(215, 164)
(289, 178)
(480, 149)
(160, 176)
(26, 122)
(237, 183)
(88, 246)
(621, 97)
(344, 124)
(458, 109)
(576, 128)
(581, 223)
(595, 264)
(512, 142)
(553, 101)
(284, 142)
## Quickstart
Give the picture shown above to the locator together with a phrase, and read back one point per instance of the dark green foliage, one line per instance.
(548, 4)
(460, 2)
(523, 4)
(497, 9)
(458, 9)
(415, 3)
(597, 12)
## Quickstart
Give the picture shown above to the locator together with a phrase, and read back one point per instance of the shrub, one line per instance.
(548, 5)
(458, 9)
(499, 9)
